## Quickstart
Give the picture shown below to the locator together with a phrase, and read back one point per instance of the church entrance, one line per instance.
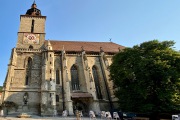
(80, 106)
(81, 102)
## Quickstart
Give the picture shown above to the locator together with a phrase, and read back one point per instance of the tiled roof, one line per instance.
(87, 46)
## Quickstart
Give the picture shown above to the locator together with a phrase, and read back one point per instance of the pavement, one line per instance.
(46, 118)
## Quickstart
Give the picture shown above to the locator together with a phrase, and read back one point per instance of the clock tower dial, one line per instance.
(30, 38)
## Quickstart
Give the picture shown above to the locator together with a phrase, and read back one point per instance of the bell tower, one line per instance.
(31, 33)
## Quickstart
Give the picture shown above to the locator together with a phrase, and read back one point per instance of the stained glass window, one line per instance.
(74, 78)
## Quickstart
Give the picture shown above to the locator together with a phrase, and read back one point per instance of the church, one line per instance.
(44, 76)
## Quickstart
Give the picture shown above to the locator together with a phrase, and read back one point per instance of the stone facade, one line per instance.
(43, 78)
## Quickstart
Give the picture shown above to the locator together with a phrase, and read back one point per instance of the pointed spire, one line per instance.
(101, 49)
(49, 46)
(34, 3)
(82, 48)
(63, 48)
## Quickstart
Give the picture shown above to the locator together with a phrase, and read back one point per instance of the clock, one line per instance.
(30, 38)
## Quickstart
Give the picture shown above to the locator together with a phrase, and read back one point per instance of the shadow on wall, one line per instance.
(18, 103)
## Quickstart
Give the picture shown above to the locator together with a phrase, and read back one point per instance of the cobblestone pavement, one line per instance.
(45, 118)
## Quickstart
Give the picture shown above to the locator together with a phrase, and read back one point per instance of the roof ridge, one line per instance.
(78, 41)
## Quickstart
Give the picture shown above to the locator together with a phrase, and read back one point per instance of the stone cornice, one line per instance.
(31, 16)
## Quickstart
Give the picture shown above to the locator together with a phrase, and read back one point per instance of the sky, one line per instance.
(125, 22)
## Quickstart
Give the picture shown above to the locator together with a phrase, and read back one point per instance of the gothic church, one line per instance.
(44, 76)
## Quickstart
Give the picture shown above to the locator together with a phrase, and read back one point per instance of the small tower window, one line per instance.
(32, 26)
(30, 47)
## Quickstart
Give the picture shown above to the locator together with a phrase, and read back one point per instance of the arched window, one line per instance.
(96, 80)
(30, 47)
(57, 77)
(74, 78)
(29, 63)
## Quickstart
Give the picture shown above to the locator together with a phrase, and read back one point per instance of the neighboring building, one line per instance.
(46, 76)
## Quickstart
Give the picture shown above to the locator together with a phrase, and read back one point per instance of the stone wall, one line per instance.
(40, 98)
(25, 27)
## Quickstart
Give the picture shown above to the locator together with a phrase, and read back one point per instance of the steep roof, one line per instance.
(87, 46)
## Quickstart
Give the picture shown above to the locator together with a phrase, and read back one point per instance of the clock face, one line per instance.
(30, 38)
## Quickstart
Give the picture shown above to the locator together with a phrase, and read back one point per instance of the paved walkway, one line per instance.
(43, 118)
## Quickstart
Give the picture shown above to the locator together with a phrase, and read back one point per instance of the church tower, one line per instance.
(32, 29)
(22, 86)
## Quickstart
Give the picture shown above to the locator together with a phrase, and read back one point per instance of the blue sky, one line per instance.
(127, 22)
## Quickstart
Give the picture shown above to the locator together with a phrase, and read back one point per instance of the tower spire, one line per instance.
(34, 11)
(34, 3)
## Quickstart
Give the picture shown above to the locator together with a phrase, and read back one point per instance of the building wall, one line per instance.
(35, 90)
(38, 95)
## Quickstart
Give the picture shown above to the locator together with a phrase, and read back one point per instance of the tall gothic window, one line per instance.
(29, 63)
(57, 77)
(74, 78)
(28, 70)
(96, 80)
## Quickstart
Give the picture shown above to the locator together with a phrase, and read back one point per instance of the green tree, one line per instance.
(1, 88)
(147, 78)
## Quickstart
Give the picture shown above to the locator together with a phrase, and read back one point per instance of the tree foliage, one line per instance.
(147, 77)
(1, 88)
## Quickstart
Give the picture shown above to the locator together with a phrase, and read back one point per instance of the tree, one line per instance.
(1, 88)
(147, 78)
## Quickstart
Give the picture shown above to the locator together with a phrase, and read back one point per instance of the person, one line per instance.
(2, 113)
(33, 10)
(64, 113)
(92, 115)
(78, 115)
(54, 113)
